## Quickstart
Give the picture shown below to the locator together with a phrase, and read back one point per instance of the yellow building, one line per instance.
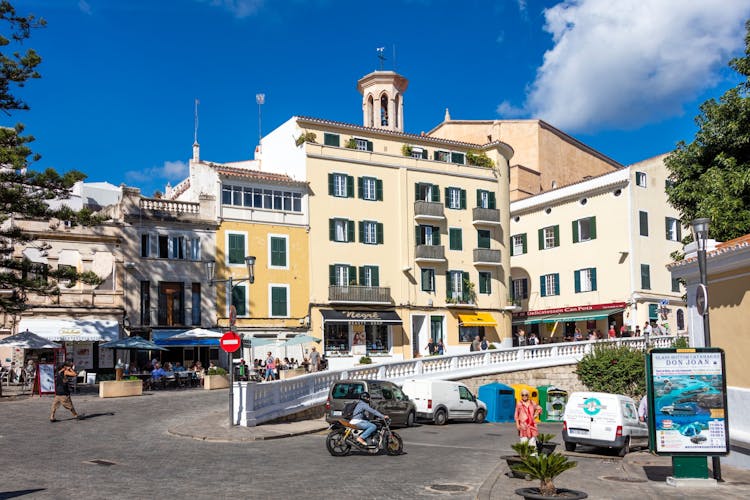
(408, 235)
(594, 253)
(728, 270)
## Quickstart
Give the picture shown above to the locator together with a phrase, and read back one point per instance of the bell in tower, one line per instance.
(382, 100)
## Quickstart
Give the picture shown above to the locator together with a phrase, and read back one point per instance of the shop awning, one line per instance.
(568, 317)
(476, 319)
(62, 330)
(335, 316)
(165, 338)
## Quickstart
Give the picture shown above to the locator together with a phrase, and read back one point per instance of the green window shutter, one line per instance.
(331, 274)
(448, 284)
(278, 301)
(369, 145)
(352, 275)
(463, 199)
(557, 284)
(557, 236)
(643, 222)
(457, 158)
(362, 274)
(485, 283)
(464, 289)
(575, 231)
(331, 140)
(278, 252)
(653, 311)
(331, 229)
(543, 286)
(592, 229)
(483, 238)
(523, 239)
(238, 300)
(379, 190)
(577, 280)
(456, 239)
(360, 187)
(349, 186)
(375, 276)
(416, 191)
(236, 249)
(593, 279)
(435, 235)
(436, 193)
(349, 231)
(447, 196)
(645, 277)
(330, 184)
(479, 198)
(541, 239)
(361, 231)
(452, 239)
(418, 236)
(492, 200)
(379, 230)
(425, 155)
(525, 287)
(426, 280)
(435, 155)
(667, 221)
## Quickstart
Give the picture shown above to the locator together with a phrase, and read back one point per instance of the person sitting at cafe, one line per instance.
(287, 364)
(158, 372)
(131, 368)
(178, 367)
(168, 367)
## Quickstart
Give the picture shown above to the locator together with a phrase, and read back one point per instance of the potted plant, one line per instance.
(406, 150)
(305, 137)
(523, 450)
(365, 360)
(216, 378)
(546, 468)
(544, 443)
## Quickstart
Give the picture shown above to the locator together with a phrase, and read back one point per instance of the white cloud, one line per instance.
(84, 7)
(238, 8)
(619, 64)
(173, 171)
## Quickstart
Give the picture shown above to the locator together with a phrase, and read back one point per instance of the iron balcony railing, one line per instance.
(360, 294)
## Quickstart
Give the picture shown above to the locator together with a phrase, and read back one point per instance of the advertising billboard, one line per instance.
(687, 401)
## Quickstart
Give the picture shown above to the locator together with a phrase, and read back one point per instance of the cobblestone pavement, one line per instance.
(179, 443)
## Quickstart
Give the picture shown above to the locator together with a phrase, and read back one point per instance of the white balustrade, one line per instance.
(256, 403)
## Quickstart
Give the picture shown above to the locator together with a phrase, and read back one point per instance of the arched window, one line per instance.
(370, 112)
(384, 110)
(396, 108)
(680, 319)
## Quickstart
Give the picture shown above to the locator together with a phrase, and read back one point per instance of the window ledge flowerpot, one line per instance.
(562, 494)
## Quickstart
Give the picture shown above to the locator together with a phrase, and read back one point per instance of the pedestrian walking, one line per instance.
(431, 348)
(63, 378)
(314, 360)
(476, 344)
(440, 347)
(485, 345)
(526, 413)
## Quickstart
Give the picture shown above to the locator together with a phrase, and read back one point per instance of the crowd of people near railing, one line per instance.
(270, 368)
(521, 338)
(157, 375)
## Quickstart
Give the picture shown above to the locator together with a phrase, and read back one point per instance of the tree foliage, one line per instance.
(616, 369)
(711, 175)
(23, 193)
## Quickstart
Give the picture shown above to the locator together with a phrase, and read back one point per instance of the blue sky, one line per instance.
(119, 78)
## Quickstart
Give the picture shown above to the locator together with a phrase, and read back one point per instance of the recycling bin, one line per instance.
(552, 400)
(500, 401)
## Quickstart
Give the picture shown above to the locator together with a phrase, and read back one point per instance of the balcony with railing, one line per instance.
(430, 253)
(428, 211)
(486, 257)
(359, 294)
(485, 216)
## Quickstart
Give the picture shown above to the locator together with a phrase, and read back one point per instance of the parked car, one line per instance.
(442, 400)
(386, 397)
(604, 420)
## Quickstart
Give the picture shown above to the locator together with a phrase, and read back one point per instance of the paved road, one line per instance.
(124, 449)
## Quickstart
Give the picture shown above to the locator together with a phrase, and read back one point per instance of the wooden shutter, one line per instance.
(457, 158)
(361, 231)
(369, 145)
(379, 231)
(525, 288)
(464, 288)
(592, 228)
(375, 276)
(278, 301)
(435, 193)
(331, 274)
(349, 231)
(463, 199)
(418, 240)
(352, 276)
(330, 184)
(557, 235)
(577, 281)
(479, 198)
(575, 231)
(523, 239)
(435, 235)
(349, 186)
(448, 285)
(593, 279)
(426, 280)
(557, 284)
(643, 221)
(543, 286)
(362, 274)
(447, 196)
(425, 155)
(360, 187)
(416, 192)
(492, 200)
(541, 239)
(331, 229)
(331, 140)
(379, 190)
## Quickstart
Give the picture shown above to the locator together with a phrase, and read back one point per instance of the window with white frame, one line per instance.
(369, 232)
(640, 179)
(549, 237)
(453, 196)
(279, 303)
(342, 275)
(674, 230)
(177, 247)
(520, 288)
(550, 285)
(518, 244)
(456, 284)
(369, 276)
(584, 229)
(442, 156)
(369, 188)
(341, 230)
(340, 185)
(585, 280)
(278, 249)
(195, 248)
(361, 144)
(236, 249)
(428, 280)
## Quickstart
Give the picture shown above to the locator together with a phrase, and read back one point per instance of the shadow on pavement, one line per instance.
(18, 493)
(657, 472)
(94, 415)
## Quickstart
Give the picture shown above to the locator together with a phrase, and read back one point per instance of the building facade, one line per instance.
(594, 253)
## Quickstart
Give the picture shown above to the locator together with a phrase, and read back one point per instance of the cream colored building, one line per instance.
(545, 158)
(408, 238)
(595, 252)
(728, 270)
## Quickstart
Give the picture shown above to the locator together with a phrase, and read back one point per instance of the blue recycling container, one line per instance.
(500, 400)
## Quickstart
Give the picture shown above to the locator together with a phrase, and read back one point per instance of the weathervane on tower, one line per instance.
(381, 56)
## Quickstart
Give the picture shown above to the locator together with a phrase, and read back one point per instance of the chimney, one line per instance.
(196, 152)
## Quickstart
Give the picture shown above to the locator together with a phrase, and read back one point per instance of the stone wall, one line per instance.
(559, 376)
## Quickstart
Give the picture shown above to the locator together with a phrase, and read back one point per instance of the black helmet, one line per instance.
(365, 396)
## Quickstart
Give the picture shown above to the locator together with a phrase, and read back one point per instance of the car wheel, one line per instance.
(625, 448)
(479, 418)
(410, 418)
(570, 446)
(441, 417)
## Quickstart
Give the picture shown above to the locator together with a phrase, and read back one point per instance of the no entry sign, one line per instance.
(230, 341)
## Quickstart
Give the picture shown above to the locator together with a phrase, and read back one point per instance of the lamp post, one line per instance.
(233, 282)
(700, 235)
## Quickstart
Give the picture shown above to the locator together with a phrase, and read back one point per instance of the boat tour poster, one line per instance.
(687, 401)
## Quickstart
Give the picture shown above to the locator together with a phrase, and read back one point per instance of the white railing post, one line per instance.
(454, 363)
(418, 367)
(381, 372)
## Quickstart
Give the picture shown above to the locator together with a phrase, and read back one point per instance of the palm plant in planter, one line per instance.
(523, 450)
(546, 468)
(544, 443)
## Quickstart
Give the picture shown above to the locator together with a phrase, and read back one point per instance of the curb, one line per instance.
(485, 490)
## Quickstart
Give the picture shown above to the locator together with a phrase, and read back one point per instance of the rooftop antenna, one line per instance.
(381, 56)
(260, 99)
(195, 134)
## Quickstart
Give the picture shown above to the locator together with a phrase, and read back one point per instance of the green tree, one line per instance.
(617, 369)
(711, 175)
(24, 193)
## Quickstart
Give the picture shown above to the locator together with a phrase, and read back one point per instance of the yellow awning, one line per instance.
(476, 319)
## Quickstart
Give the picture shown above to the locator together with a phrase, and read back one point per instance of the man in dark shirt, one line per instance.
(62, 391)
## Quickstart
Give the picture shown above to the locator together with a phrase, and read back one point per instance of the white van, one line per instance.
(604, 420)
(442, 400)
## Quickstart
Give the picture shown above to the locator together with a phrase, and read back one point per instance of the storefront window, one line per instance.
(336, 338)
(468, 333)
(377, 339)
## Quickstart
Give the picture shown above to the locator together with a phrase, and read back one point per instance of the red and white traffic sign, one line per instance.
(230, 342)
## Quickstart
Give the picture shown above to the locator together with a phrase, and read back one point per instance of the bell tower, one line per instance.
(383, 100)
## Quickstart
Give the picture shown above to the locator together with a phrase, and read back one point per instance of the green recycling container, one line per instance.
(552, 400)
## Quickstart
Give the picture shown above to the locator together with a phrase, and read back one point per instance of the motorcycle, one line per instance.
(343, 437)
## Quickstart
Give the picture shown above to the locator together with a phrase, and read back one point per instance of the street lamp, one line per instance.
(700, 235)
(233, 282)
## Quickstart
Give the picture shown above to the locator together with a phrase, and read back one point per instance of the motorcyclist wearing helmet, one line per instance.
(360, 417)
